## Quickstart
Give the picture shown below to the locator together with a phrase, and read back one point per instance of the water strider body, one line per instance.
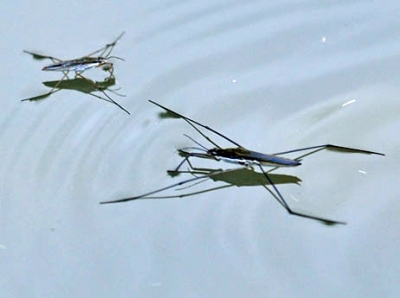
(80, 65)
(248, 158)
(244, 157)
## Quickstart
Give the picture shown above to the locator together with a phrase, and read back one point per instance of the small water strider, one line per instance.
(248, 158)
(80, 65)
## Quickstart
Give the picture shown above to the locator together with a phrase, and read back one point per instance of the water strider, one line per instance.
(245, 157)
(80, 65)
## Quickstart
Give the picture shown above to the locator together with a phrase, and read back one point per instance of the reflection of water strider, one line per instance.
(79, 66)
(244, 157)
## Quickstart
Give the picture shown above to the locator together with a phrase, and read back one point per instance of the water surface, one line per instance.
(273, 76)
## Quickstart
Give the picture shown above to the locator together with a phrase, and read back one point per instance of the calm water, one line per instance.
(271, 75)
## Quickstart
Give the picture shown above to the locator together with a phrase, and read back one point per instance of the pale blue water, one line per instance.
(273, 76)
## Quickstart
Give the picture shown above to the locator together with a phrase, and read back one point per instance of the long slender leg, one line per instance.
(41, 57)
(331, 147)
(186, 156)
(102, 91)
(143, 196)
(291, 212)
(186, 159)
(53, 90)
(326, 146)
(201, 133)
(184, 195)
(104, 49)
(198, 123)
(213, 175)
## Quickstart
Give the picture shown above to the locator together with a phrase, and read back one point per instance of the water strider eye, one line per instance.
(212, 152)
